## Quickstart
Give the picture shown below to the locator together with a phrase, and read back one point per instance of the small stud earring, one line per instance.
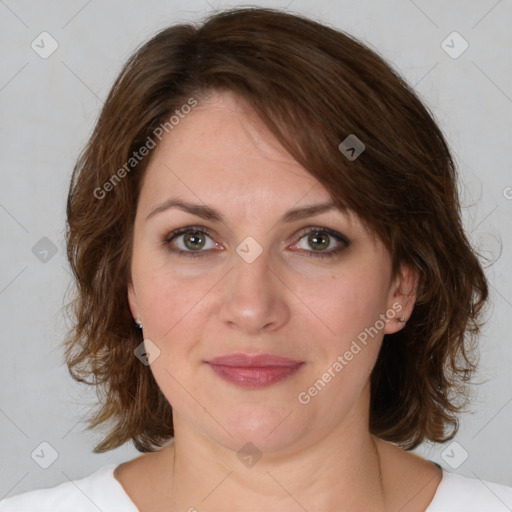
(139, 323)
(402, 319)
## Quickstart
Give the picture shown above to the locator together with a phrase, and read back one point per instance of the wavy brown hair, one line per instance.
(312, 86)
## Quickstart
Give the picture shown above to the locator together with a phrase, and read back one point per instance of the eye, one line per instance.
(320, 239)
(190, 241)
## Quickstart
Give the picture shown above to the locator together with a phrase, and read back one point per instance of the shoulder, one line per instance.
(458, 493)
(421, 486)
(98, 491)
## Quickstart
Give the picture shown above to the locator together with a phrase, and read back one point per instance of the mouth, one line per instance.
(254, 371)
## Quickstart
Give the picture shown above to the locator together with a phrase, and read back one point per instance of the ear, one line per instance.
(132, 301)
(403, 293)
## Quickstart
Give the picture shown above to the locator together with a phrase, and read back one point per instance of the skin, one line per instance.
(288, 301)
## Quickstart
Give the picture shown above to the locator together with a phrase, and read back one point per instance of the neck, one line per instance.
(340, 472)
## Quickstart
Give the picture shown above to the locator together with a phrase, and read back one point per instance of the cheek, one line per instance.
(346, 308)
(165, 296)
(169, 303)
(349, 309)
(173, 311)
(345, 302)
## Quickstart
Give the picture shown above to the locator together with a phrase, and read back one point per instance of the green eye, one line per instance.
(319, 239)
(193, 239)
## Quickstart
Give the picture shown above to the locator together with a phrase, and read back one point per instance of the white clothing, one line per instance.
(100, 491)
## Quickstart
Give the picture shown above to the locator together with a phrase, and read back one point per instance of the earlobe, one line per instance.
(403, 298)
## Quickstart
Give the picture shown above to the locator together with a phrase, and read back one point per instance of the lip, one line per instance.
(254, 370)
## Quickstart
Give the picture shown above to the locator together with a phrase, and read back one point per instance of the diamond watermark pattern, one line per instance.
(249, 249)
(249, 454)
(454, 45)
(351, 147)
(44, 455)
(454, 455)
(44, 45)
(44, 250)
(147, 352)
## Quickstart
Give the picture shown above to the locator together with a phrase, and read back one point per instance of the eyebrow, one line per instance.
(209, 213)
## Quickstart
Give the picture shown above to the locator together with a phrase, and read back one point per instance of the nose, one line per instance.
(255, 298)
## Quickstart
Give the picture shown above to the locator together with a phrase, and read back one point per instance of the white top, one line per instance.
(101, 491)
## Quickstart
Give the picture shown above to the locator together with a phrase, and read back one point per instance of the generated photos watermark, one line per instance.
(137, 156)
(304, 397)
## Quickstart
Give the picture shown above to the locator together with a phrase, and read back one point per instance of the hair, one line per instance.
(312, 86)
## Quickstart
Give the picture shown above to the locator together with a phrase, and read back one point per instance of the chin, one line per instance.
(269, 428)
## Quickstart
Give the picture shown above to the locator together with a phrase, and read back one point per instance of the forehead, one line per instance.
(222, 150)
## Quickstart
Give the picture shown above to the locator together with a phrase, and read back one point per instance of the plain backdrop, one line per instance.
(48, 107)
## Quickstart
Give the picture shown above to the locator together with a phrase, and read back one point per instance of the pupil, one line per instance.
(314, 237)
(195, 238)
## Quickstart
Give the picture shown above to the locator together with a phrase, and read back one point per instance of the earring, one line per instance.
(138, 322)
(402, 320)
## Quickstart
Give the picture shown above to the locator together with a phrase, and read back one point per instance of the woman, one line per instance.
(274, 285)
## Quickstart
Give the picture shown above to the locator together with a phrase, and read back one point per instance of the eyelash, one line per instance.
(306, 231)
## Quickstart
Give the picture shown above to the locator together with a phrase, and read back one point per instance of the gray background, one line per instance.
(48, 108)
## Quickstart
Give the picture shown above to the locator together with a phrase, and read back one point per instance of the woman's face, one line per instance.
(254, 283)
